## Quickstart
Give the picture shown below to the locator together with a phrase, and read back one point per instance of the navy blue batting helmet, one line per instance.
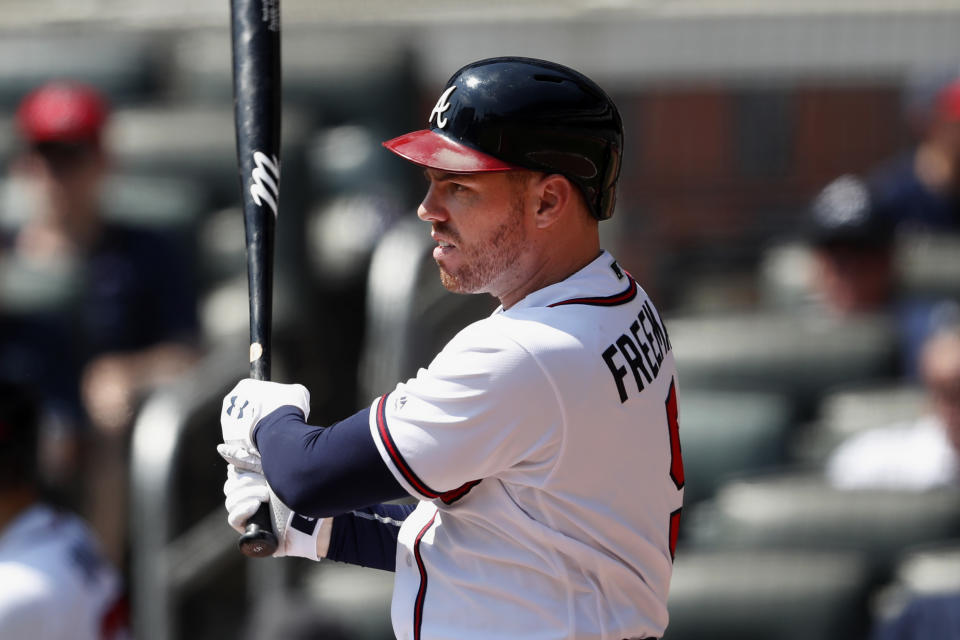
(507, 113)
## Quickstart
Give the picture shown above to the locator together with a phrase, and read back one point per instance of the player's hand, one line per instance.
(240, 457)
(251, 400)
(246, 488)
(244, 491)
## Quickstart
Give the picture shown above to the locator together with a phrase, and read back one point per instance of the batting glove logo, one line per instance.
(233, 405)
(441, 107)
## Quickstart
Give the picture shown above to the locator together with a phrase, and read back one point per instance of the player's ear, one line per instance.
(554, 195)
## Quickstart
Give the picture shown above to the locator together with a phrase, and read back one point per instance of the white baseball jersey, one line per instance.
(542, 442)
(54, 585)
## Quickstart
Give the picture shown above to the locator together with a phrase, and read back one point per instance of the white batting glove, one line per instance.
(251, 400)
(244, 491)
(246, 488)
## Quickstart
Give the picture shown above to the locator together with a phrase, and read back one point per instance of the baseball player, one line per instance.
(541, 442)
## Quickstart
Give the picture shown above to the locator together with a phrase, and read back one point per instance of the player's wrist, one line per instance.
(309, 542)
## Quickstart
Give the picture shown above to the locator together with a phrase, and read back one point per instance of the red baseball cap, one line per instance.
(948, 102)
(62, 112)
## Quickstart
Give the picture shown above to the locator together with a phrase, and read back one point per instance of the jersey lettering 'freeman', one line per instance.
(640, 349)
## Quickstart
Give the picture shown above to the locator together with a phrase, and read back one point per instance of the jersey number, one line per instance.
(676, 461)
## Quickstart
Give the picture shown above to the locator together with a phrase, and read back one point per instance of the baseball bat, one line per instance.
(256, 91)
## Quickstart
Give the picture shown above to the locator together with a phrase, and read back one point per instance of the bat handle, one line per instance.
(259, 541)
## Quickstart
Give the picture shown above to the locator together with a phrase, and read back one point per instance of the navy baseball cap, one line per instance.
(845, 213)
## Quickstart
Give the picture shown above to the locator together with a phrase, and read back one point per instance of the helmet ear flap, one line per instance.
(608, 192)
(608, 200)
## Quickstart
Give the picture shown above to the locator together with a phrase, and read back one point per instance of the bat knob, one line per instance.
(256, 542)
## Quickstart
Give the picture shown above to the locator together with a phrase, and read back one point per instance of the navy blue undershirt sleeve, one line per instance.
(368, 537)
(323, 471)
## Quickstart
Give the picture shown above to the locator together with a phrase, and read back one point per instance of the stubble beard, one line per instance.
(485, 263)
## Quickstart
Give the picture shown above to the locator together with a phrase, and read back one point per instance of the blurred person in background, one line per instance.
(131, 320)
(925, 616)
(918, 455)
(853, 249)
(920, 190)
(54, 581)
(853, 240)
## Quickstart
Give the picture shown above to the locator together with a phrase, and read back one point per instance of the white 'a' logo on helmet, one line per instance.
(441, 108)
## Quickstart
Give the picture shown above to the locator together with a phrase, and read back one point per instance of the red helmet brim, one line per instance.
(430, 149)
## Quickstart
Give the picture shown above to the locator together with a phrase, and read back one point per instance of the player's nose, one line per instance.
(430, 209)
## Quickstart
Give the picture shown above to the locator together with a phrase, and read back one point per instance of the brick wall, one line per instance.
(712, 173)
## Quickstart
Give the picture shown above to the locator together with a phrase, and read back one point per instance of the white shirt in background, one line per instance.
(914, 455)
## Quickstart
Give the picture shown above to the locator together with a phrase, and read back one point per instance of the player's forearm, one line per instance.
(323, 471)
(368, 537)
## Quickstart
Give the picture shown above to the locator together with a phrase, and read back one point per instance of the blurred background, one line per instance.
(790, 198)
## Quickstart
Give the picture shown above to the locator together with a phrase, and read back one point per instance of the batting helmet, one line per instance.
(508, 113)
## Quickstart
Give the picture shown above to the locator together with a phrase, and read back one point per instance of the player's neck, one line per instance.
(554, 265)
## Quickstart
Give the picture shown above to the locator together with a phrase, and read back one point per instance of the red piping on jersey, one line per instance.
(624, 296)
(422, 591)
(448, 497)
(674, 531)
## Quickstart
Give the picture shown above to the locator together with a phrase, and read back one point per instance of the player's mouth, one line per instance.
(443, 249)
